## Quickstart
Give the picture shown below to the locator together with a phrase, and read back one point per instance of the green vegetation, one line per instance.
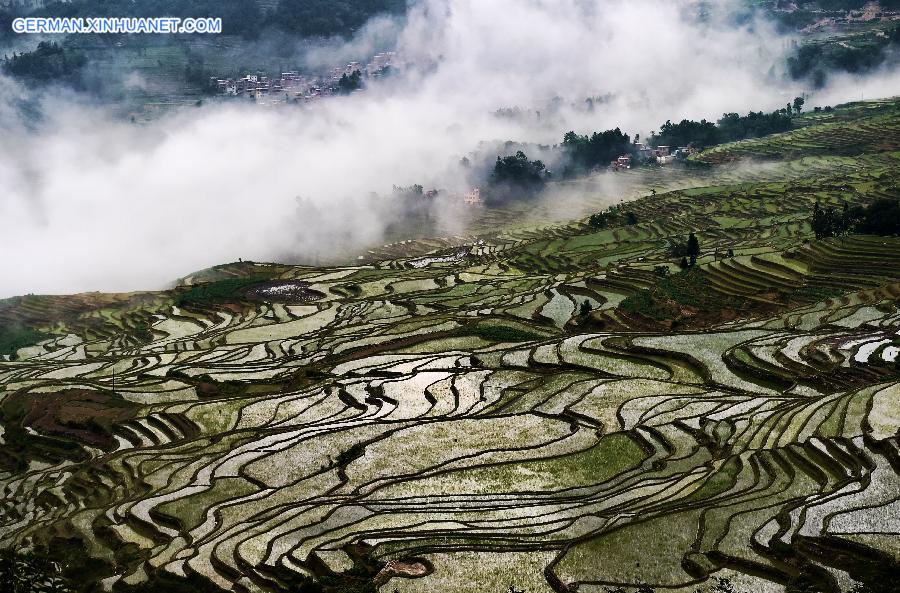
(48, 63)
(13, 337)
(540, 403)
(671, 295)
(817, 293)
(729, 128)
(193, 583)
(348, 84)
(846, 130)
(601, 220)
(854, 54)
(502, 333)
(211, 292)
(612, 216)
(882, 217)
(24, 573)
(585, 153)
(314, 18)
(515, 176)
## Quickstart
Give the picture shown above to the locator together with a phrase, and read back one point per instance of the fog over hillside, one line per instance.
(92, 202)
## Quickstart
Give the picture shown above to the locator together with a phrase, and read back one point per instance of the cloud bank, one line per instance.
(91, 202)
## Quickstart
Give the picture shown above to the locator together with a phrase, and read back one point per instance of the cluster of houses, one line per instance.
(662, 155)
(294, 86)
(473, 197)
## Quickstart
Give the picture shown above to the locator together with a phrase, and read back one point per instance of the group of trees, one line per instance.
(882, 217)
(687, 132)
(348, 84)
(515, 176)
(409, 191)
(729, 128)
(48, 63)
(612, 215)
(688, 251)
(815, 60)
(517, 169)
(315, 18)
(586, 152)
(198, 75)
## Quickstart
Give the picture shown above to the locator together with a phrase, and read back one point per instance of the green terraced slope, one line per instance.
(460, 422)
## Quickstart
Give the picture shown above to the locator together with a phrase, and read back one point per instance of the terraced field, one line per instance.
(461, 421)
(853, 129)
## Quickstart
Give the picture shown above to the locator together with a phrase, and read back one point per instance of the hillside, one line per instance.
(539, 407)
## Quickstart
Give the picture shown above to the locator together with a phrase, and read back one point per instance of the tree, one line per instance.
(585, 153)
(599, 220)
(693, 249)
(678, 249)
(798, 104)
(823, 222)
(687, 132)
(348, 84)
(323, 18)
(827, 223)
(514, 177)
(585, 308)
(409, 191)
(882, 217)
(49, 62)
(517, 169)
(631, 218)
(845, 220)
(729, 128)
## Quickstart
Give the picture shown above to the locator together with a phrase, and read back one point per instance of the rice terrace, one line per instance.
(559, 408)
(425, 339)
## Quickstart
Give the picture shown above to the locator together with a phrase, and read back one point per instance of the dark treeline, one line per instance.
(312, 18)
(197, 75)
(612, 216)
(729, 128)
(815, 61)
(514, 177)
(586, 152)
(49, 62)
(348, 84)
(582, 153)
(882, 217)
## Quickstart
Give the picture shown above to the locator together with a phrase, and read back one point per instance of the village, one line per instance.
(293, 86)
(661, 155)
(639, 154)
